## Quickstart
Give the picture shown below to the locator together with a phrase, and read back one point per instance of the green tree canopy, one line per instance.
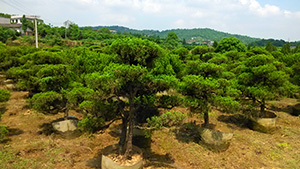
(6, 33)
(270, 47)
(264, 79)
(230, 43)
(136, 51)
(171, 41)
(131, 82)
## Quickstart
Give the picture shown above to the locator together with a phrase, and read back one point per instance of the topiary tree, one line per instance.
(263, 78)
(134, 51)
(204, 87)
(203, 93)
(130, 80)
(53, 77)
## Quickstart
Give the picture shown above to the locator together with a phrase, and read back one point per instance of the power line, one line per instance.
(14, 6)
(19, 6)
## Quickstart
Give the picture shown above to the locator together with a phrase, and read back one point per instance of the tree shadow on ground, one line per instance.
(191, 132)
(11, 132)
(293, 110)
(4, 141)
(3, 109)
(188, 132)
(14, 131)
(47, 129)
(150, 159)
(239, 120)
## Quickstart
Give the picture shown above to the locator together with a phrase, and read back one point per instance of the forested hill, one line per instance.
(190, 35)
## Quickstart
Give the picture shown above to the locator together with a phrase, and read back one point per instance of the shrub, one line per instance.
(4, 95)
(90, 124)
(78, 95)
(167, 119)
(3, 131)
(106, 110)
(48, 102)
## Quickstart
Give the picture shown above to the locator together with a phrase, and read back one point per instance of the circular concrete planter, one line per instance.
(216, 140)
(107, 163)
(66, 128)
(266, 124)
(65, 125)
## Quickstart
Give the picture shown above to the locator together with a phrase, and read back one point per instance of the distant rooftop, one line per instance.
(26, 16)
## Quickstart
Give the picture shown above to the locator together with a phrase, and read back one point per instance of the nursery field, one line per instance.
(28, 147)
(228, 105)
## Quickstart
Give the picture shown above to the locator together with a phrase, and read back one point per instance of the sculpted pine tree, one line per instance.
(204, 87)
(263, 78)
(131, 80)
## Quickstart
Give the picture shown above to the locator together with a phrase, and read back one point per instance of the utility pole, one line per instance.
(36, 33)
(67, 24)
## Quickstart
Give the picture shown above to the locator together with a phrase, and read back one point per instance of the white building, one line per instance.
(16, 19)
(15, 23)
(4, 20)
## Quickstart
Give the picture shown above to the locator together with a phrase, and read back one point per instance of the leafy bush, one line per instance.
(90, 124)
(4, 95)
(79, 94)
(48, 102)
(227, 104)
(167, 119)
(100, 109)
(3, 131)
(53, 77)
(42, 57)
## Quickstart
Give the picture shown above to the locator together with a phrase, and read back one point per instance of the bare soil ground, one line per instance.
(27, 147)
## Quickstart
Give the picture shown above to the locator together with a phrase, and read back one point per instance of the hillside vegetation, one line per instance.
(196, 35)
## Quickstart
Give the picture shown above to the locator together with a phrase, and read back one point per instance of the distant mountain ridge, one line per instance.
(198, 35)
(190, 35)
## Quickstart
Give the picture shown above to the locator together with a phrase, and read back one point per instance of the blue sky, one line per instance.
(278, 19)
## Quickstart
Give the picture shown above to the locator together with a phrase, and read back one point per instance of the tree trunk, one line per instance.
(128, 152)
(262, 108)
(66, 113)
(122, 141)
(206, 119)
(206, 108)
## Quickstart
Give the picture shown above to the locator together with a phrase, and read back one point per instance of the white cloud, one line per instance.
(255, 7)
(249, 17)
(116, 19)
(180, 23)
(148, 6)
